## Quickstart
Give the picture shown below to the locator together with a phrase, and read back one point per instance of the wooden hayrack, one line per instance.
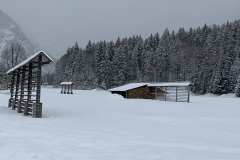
(26, 85)
(67, 87)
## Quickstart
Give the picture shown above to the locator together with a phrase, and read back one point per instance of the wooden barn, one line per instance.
(172, 91)
(134, 90)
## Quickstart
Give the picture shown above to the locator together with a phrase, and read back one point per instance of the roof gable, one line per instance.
(34, 58)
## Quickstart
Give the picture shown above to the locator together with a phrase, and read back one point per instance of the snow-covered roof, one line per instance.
(128, 87)
(136, 85)
(169, 84)
(67, 83)
(33, 58)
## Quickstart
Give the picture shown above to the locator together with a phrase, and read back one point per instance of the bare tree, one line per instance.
(10, 57)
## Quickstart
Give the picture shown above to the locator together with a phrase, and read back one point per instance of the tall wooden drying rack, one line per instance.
(26, 85)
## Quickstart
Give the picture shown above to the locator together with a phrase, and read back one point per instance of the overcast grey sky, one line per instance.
(57, 24)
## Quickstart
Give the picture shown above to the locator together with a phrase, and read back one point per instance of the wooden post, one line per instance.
(188, 93)
(165, 94)
(23, 79)
(61, 89)
(29, 87)
(176, 93)
(68, 89)
(16, 91)
(155, 93)
(37, 108)
(9, 103)
(64, 89)
(19, 107)
(25, 112)
(22, 89)
(12, 90)
(71, 89)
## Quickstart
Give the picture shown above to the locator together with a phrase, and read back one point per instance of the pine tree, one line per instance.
(234, 73)
(99, 55)
(119, 67)
(105, 71)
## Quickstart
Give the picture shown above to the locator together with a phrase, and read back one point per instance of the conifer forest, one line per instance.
(208, 56)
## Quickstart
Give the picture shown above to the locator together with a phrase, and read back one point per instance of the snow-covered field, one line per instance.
(95, 125)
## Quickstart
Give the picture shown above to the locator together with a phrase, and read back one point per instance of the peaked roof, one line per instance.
(136, 85)
(46, 58)
(128, 87)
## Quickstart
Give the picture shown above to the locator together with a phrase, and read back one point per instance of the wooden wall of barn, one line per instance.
(141, 92)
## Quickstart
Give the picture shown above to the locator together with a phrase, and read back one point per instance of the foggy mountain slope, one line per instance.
(11, 32)
(51, 67)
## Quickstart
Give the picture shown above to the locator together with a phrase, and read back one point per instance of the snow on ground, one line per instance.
(95, 125)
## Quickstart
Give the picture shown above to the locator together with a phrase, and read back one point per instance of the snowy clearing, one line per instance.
(96, 125)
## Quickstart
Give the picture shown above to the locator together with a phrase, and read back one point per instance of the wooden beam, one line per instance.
(165, 94)
(25, 112)
(71, 89)
(16, 91)
(155, 93)
(29, 89)
(176, 93)
(11, 90)
(37, 111)
(23, 78)
(188, 94)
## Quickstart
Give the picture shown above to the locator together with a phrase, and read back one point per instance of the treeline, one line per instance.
(207, 56)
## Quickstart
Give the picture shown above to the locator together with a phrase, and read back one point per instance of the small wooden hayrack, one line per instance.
(66, 86)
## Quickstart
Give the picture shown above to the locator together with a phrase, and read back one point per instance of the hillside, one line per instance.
(10, 32)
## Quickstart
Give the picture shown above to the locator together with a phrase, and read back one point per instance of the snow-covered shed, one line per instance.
(168, 91)
(133, 90)
(66, 86)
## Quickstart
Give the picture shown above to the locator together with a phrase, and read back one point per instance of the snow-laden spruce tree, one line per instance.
(119, 67)
(105, 71)
(99, 55)
(237, 88)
